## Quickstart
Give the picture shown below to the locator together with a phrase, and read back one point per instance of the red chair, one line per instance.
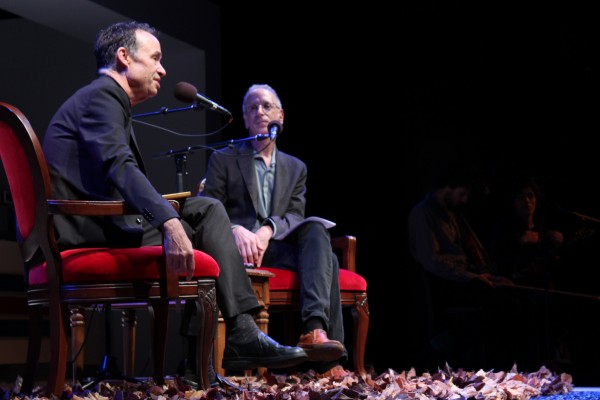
(284, 293)
(69, 280)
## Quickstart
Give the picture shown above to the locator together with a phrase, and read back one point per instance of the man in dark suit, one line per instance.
(263, 190)
(92, 155)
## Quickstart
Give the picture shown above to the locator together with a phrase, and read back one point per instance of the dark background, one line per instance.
(377, 96)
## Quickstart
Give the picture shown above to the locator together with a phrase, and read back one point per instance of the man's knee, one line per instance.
(315, 229)
(204, 205)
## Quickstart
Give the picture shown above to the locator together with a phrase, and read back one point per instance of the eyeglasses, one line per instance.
(266, 106)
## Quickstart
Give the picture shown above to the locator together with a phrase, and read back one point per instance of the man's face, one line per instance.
(144, 70)
(260, 110)
(525, 202)
(456, 196)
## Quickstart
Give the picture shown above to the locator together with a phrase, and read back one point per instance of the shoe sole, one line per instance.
(244, 363)
(323, 353)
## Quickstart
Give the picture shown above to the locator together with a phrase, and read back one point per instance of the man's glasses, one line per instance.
(266, 106)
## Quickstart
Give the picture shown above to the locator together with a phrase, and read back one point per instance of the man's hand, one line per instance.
(485, 279)
(501, 281)
(252, 246)
(494, 280)
(556, 238)
(178, 248)
(529, 237)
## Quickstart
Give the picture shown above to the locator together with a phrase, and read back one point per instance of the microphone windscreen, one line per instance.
(275, 124)
(185, 92)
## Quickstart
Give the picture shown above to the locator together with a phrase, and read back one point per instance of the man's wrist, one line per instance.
(270, 223)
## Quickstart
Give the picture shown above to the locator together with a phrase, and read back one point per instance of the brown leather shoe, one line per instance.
(319, 347)
(336, 373)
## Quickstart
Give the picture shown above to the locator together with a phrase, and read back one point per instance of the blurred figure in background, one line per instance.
(460, 277)
(524, 249)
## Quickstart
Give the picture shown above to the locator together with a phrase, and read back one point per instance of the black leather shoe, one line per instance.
(225, 383)
(261, 352)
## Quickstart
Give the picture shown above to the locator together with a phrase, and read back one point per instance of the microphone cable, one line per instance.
(184, 134)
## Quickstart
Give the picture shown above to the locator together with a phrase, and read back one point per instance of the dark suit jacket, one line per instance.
(92, 155)
(231, 178)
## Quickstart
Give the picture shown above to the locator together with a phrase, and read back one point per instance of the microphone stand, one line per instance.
(180, 156)
(166, 110)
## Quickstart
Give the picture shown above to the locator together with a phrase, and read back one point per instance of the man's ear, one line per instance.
(122, 58)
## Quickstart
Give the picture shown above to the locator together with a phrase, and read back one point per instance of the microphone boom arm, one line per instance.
(180, 155)
(212, 146)
(165, 110)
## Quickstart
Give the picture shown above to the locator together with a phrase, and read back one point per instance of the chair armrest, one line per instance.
(345, 246)
(88, 207)
(175, 197)
(93, 207)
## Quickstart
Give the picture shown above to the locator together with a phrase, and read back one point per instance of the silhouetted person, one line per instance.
(460, 275)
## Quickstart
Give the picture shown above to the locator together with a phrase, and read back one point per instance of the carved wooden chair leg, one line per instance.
(34, 348)
(160, 313)
(58, 340)
(77, 321)
(360, 315)
(129, 324)
(206, 305)
(219, 346)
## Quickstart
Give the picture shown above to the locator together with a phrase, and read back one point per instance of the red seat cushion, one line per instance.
(109, 265)
(288, 280)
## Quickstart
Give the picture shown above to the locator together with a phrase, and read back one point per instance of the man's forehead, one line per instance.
(260, 94)
(147, 41)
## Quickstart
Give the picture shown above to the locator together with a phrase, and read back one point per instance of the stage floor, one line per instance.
(581, 393)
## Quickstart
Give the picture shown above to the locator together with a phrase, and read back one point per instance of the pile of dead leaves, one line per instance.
(444, 384)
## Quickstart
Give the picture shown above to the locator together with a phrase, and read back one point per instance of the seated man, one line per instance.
(263, 191)
(92, 154)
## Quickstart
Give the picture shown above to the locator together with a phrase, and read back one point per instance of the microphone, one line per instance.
(274, 128)
(188, 93)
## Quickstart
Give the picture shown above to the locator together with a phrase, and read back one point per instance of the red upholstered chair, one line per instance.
(69, 280)
(284, 292)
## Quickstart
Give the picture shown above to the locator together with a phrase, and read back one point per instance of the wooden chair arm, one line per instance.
(345, 247)
(93, 207)
(106, 208)
(177, 196)
(88, 207)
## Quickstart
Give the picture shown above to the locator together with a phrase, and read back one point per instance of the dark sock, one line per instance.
(313, 323)
(241, 328)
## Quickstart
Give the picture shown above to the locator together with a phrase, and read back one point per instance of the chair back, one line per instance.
(28, 178)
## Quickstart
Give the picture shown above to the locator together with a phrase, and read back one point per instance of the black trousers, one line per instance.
(208, 227)
(307, 251)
